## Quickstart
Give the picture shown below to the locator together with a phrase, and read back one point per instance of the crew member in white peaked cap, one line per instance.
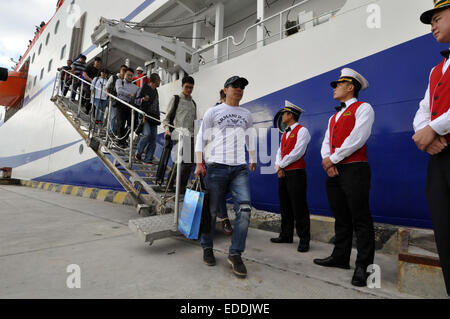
(432, 135)
(290, 167)
(140, 78)
(347, 165)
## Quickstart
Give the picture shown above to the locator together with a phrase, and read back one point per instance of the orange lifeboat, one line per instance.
(13, 90)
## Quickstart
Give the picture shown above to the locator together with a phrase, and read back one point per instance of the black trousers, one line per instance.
(348, 196)
(438, 197)
(123, 120)
(293, 205)
(186, 167)
(76, 85)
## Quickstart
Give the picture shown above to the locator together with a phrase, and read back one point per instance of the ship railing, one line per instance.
(280, 34)
(134, 110)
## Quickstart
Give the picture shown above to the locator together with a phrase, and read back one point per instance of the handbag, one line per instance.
(191, 212)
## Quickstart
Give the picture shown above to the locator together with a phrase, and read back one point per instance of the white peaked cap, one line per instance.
(291, 105)
(348, 75)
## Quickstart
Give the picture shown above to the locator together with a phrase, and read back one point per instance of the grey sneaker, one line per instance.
(208, 257)
(238, 266)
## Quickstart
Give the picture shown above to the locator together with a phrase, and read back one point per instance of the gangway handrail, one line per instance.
(114, 97)
(182, 133)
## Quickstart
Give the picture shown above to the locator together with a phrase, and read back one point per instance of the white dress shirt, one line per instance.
(365, 116)
(303, 139)
(440, 125)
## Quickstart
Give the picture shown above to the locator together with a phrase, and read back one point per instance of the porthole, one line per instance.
(56, 27)
(40, 49)
(42, 74)
(63, 52)
(49, 65)
(32, 59)
(47, 39)
(81, 149)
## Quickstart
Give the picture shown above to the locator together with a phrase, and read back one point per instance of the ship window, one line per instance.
(40, 48)
(50, 66)
(56, 27)
(34, 82)
(63, 52)
(42, 74)
(47, 39)
(32, 59)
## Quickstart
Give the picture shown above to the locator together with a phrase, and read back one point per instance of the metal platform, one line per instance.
(153, 228)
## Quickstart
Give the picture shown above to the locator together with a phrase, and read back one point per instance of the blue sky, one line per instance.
(18, 20)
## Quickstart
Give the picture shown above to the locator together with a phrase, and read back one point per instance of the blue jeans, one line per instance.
(148, 139)
(100, 106)
(219, 179)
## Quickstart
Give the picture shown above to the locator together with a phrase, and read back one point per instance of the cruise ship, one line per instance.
(288, 50)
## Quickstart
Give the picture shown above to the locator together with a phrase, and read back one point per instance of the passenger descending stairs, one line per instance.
(137, 178)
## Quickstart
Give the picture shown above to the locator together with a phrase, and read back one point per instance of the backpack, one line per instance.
(176, 103)
(112, 87)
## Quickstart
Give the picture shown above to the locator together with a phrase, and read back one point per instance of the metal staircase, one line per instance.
(138, 179)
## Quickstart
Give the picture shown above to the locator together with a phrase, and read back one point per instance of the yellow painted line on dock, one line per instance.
(64, 189)
(102, 194)
(120, 197)
(87, 192)
(74, 191)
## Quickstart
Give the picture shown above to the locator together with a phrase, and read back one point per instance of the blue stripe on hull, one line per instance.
(91, 173)
(398, 79)
(22, 159)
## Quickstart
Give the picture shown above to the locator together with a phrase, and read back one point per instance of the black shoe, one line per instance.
(360, 277)
(331, 262)
(303, 247)
(282, 240)
(226, 227)
(208, 257)
(238, 266)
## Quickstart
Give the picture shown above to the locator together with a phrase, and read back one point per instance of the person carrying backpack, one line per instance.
(182, 113)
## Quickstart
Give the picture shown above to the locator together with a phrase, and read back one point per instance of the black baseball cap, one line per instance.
(235, 79)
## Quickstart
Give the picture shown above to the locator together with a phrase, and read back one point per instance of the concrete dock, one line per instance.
(42, 233)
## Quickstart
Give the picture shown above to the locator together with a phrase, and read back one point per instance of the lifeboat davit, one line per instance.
(12, 90)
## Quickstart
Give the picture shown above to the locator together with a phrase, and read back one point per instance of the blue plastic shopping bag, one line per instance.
(191, 214)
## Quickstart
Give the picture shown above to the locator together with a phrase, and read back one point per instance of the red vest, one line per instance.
(287, 145)
(439, 93)
(341, 129)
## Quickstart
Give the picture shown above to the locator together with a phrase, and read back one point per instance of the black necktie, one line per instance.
(445, 53)
(340, 107)
(288, 130)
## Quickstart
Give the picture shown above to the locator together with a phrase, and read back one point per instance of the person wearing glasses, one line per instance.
(226, 130)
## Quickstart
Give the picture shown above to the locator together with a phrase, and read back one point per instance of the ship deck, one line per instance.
(44, 232)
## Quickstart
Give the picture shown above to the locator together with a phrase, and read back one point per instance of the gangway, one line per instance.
(138, 179)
